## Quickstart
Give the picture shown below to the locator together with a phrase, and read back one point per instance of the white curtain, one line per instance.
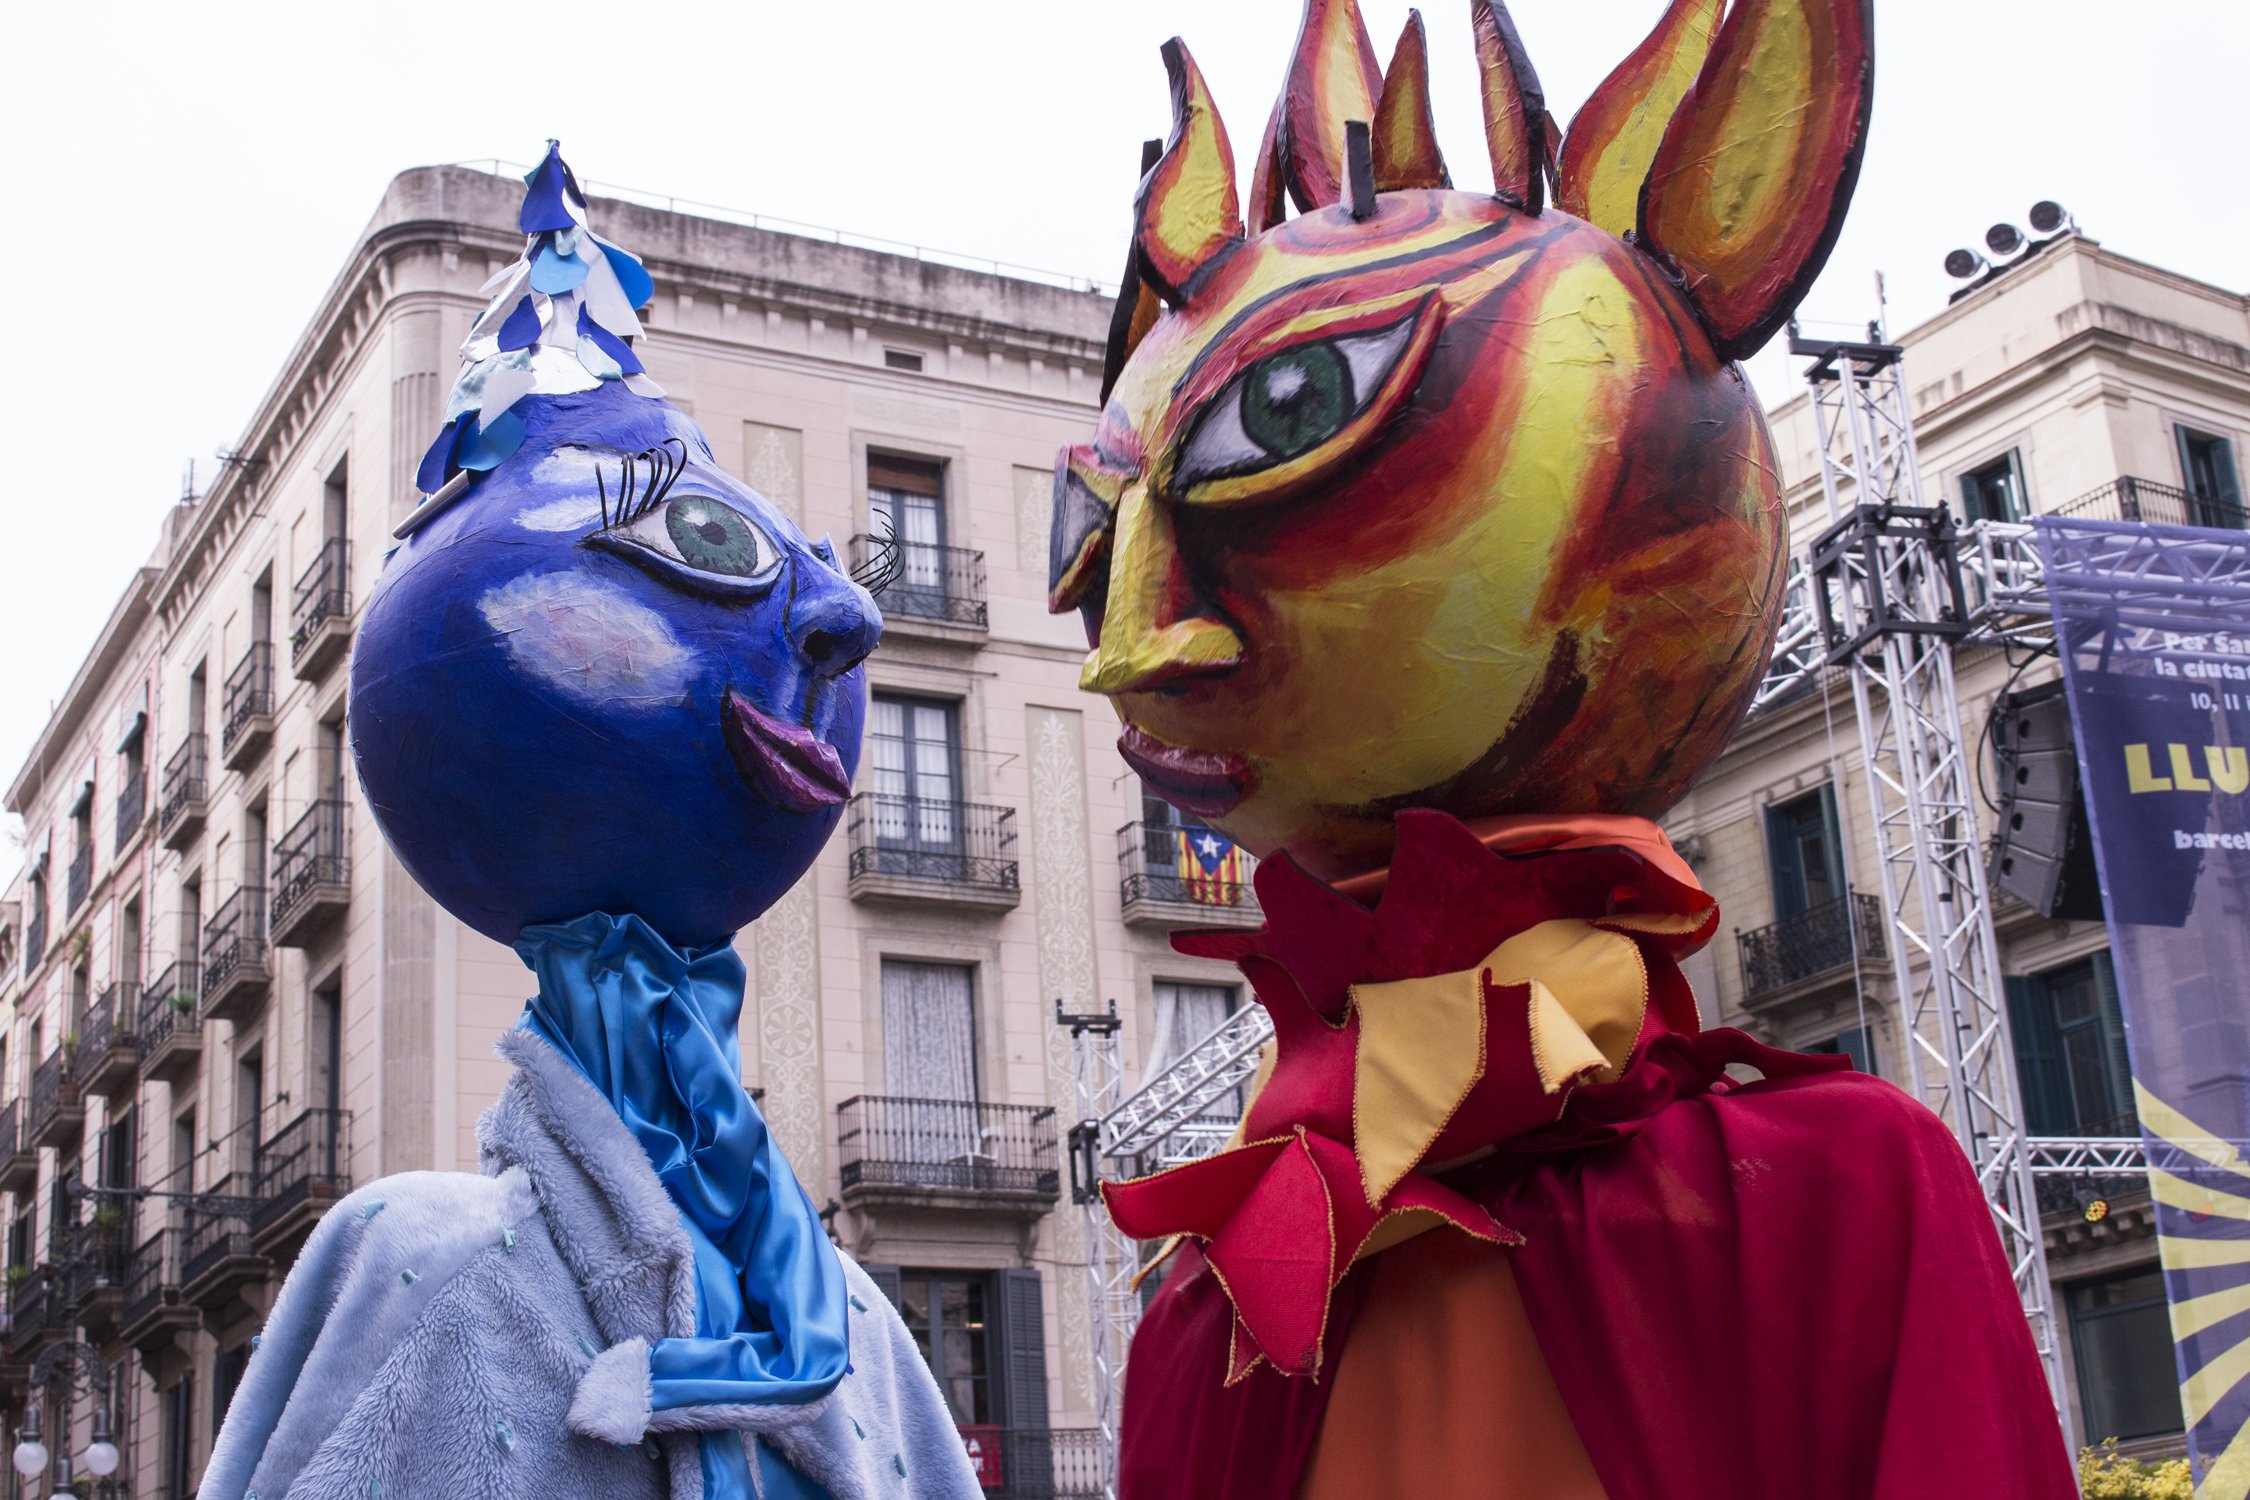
(1185, 1015)
(929, 1031)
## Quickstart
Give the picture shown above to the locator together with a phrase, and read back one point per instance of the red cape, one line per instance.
(1778, 1291)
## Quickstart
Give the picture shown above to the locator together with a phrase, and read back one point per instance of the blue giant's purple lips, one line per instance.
(786, 764)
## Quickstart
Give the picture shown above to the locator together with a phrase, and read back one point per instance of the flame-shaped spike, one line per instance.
(1333, 77)
(1749, 188)
(1613, 139)
(1187, 213)
(1269, 179)
(1517, 130)
(1406, 144)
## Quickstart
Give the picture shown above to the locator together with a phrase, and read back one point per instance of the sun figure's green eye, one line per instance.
(1296, 400)
(713, 537)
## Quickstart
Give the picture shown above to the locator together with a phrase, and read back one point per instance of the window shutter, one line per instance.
(909, 476)
(1784, 864)
(2047, 1108)
(1023, 1368)
(2116, 1063)
(887, 1281)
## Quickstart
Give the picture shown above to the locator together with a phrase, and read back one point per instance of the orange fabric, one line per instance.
(1406, 1421)
(1515, 833)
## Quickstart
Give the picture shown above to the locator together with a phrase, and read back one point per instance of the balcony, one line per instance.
(170, 1027)
(1037, 1463)
(311, 876)
(321, 614)
(936, 591)
(19, 1159)
(79, 883)
(944, 1153)
(300, 1172)
(94, 1270)
(109, 1048)
(954, 853)
(132, 806)
(1797, 954)
(187, 783)
(217, 1259)
(58, 1111)
(2130, 499)
(37, 1313)
(1185, 876)
(248, 726)
(236, 968)
(152, 1310)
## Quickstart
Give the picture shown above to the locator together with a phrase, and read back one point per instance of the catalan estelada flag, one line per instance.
(1210, 867)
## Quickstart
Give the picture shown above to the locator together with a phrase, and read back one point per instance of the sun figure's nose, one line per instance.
(1153, 629)
(835, 624)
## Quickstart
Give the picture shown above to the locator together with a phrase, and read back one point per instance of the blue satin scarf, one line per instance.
(654, 1030)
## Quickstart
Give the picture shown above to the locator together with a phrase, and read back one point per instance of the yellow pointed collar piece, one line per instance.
(1422, 1042)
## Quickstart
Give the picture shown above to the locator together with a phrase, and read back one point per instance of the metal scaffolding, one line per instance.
(1886, 594)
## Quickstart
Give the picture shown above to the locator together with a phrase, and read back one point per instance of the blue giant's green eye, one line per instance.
(714, 537)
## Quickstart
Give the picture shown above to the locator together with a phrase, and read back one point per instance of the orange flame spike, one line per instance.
(1406, 145)
(1332, 78)
(1517, 130)
(1749, 188)
(1613, 139)
(1269, 179)
(1186, 214)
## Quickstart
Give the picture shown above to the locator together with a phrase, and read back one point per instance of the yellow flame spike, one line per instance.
(1269, 178)
(1613, 139)
(1406, 144)
(1333, 77)
(1187, 213)
(1517, 131)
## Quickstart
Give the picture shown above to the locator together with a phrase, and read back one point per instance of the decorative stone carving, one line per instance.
(786, 941)
(773, 464)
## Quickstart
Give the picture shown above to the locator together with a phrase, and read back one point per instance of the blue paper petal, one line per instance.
(437, 464)
(628, 363)
(522, 329)
(555, 274)
(631, 275)
(543, 206)
(490, 447)
(597, 361)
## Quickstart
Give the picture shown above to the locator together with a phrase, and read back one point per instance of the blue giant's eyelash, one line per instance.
(666, 462)
(884, 562)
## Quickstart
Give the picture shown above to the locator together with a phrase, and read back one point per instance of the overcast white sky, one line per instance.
(185, 180)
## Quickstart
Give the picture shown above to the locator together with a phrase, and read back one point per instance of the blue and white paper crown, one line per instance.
(558, 322)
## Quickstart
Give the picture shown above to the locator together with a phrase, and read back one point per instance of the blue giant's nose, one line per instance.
(834, 623)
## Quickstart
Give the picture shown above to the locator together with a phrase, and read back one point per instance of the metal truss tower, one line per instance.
(1097, 1065)
(1888, 586)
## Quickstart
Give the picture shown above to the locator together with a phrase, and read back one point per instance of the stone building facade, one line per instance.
(2081, 382)
(288, 1015)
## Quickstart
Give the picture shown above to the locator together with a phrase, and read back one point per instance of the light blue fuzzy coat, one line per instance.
(445, 1335)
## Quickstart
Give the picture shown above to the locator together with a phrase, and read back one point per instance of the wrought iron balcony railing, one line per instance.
(35, 1307)
(234, 940)
(152, 1277)
(323, 593)
(948, 1145)
(170, 1005)
(941, 843)
(249, 694)
(187, 780)
(1830, 936)
(11, 1128)
(2130, 499)
(306, 1160)
(132, 806)
(80, 880)
(309, 859)
(53, 1089)
(108, 1044)
(1184, 865)
(214, 1235)
(927, 582)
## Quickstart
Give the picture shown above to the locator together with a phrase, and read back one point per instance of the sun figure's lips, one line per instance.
(788, 765)
(1205, 783)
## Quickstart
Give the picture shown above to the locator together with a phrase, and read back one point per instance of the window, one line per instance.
(1994, 491)
(2121, 1337)
(226, 1378)
(946, 1313)
(335, 500)
(1806, 853)
(917, 780)
(254, 851)
(2207, 472)
(129, 948)
(2070, 1051)
(182, 1173)
(906, 502)
(324, 1051)
(929, 1031)
(1858, 1044)
(19, 1238)
(175, 1421)
(1185, 1015)
(191, 921)
(249, 1095)
(198, 697)
(902, 359)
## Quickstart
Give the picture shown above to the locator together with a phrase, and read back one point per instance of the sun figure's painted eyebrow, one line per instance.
(638, 493)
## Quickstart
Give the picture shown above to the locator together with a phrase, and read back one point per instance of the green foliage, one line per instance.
(2104, 1474)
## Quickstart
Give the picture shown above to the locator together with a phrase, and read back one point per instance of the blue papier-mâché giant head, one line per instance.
(599, 673)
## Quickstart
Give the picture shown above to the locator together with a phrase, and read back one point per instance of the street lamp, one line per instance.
(84, 1371)
(31, 1453)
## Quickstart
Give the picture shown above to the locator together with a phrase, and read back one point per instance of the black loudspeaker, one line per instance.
(2044, 854)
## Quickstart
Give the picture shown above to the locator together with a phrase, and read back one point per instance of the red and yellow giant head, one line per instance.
(1428, 498)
